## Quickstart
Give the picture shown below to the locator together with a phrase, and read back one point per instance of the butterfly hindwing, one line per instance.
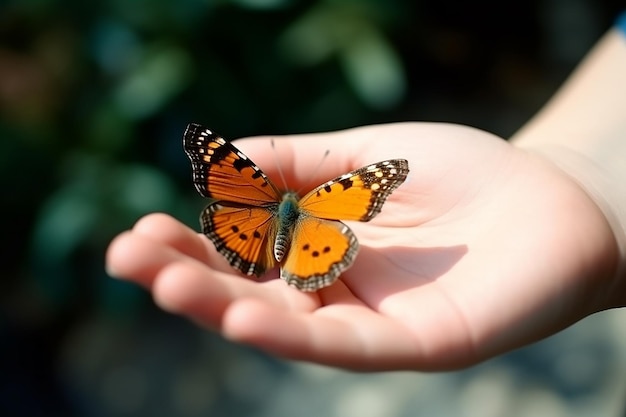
(223, 172)
(320, 251)
(357, 195)
(243, 235)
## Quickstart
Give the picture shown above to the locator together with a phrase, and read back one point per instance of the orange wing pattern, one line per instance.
(223, 172)
(241, 223)
(244, 235)
(358, 195)
(320, 251)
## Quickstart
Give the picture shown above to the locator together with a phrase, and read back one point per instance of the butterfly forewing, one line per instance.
(242, 235)
(222, 172)
(358, 195)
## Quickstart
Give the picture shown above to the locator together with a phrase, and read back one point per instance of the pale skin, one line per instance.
(479, 252)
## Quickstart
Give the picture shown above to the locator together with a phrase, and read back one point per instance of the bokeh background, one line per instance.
(94, 97)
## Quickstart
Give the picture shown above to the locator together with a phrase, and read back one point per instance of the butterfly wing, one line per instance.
(223, 172)
(243, 235)
(320, 251)
(242, 225)
(357, 195)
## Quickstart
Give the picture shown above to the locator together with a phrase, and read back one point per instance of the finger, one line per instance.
(348, 336)
(139, 258)
(171, 232)
(202, 294)
(165, 229)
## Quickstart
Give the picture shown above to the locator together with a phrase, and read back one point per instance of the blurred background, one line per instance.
(94, 97)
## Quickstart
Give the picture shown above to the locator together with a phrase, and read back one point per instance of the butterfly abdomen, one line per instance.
(288, 213)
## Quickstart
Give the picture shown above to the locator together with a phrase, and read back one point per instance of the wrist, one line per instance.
(582, 130)
(602, 184)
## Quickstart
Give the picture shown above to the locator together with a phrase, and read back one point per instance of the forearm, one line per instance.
(583, 131)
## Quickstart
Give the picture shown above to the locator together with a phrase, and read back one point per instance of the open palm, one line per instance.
(484, 248)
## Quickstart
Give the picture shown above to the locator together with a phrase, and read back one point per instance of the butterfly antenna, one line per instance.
(278, 165)
(316, 170)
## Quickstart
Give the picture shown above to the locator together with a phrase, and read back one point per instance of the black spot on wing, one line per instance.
(346, 183)
(240, 164)
(220, 153)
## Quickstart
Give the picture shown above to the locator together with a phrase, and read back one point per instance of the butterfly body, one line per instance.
(256, 227)
(287, 217)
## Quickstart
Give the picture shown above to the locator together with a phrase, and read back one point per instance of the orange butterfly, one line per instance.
(256, 226)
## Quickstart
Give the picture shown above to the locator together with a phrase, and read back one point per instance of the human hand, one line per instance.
(483, 249)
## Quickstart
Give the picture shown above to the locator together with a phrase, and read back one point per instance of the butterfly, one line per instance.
(255, 226)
